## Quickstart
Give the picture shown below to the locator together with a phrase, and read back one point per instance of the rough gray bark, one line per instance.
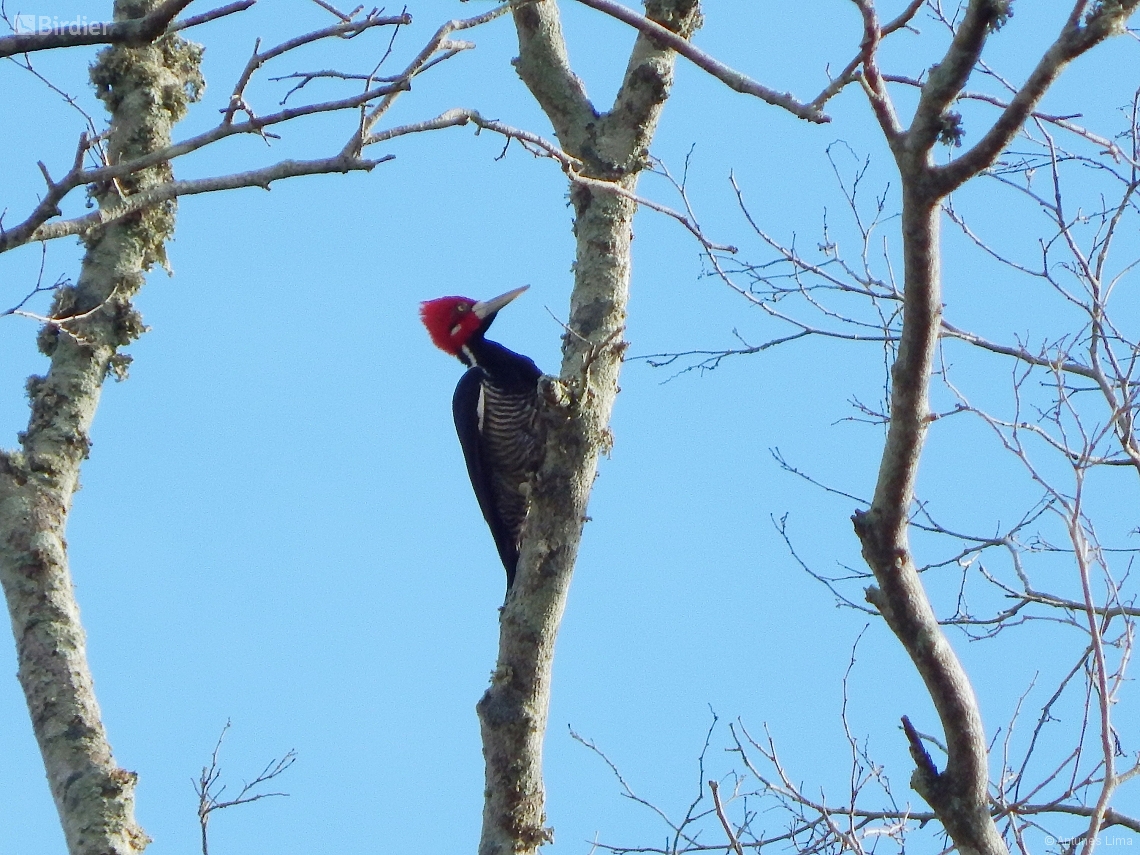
(959, 793)
(612, 147)
(146, 90)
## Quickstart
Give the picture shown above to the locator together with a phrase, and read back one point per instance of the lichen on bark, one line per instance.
(146, 90)
(613, 147)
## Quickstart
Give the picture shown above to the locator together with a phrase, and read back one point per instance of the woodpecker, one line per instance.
(495, 407)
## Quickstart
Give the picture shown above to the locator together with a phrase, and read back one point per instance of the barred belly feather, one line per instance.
(496, 410)
(510, 445)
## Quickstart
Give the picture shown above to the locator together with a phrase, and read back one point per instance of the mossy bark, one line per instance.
(146, 90)
(613, 146)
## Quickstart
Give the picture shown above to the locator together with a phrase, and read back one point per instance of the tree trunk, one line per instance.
(959, 794)
(146, 90)
(612, 147)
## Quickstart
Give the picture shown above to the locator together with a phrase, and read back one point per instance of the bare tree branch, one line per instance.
(175, 189)
(209, 787)
(732, 79)
(37, 226)
(344, 29)
(851, 73)
(1080, 34)
(732, 841)
(212, 15)
(131, 33)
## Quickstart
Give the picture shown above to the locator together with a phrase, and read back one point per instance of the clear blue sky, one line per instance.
(275, 526)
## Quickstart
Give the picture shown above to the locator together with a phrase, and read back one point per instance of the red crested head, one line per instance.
(452, 321)
(449, 321)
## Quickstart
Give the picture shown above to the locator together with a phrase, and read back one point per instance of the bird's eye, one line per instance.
(462, 307)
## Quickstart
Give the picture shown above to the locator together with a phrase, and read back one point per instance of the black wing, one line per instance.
(465, 406)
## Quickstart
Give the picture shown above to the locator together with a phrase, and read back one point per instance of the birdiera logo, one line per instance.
(52, 24)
